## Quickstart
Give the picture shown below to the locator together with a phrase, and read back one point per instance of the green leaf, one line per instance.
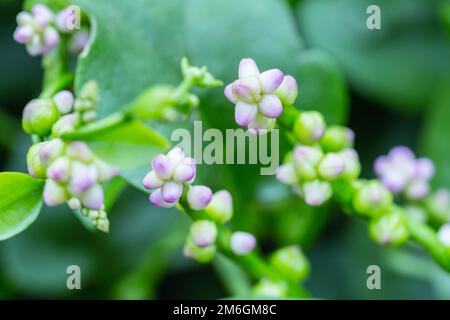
(127, 145)
(398, 65)
(20, 202)
(322, 86)
(436, 130)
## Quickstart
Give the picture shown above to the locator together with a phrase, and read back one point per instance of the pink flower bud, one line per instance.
(54, 193)
(245, 113)
(64, 101)
(288, 90)
(199, 197)
(23, 34)
(424, 169)
(286, 174)
(444, 235)
(152, 181)
(271, 80)
(84, 176)
(51, 150)
(203, 233)
(171, 191)
(163, 166)
(59, 170)
(184, 171)
(92, 198)
(270, 106)
(42, 15)
(316, 192)
(331, 166)
(248, 68)
(242, 243)
(80, 151)
(157, 199)
(229, 94)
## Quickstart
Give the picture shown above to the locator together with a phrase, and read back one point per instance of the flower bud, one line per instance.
(64, 101)
(83, 177)
(372, 199)
(79, 150)
(288, 90)
(93, 197)
(438, 205)
(424, 169)
(89, 116)
(316, 192)
(242, 243)
(185, 171)
(286, 174)
(103, 225)
(74, 203)
(331, 166)
(351, 163)
(157, 200)
(305, 160)
(36, 167)
(203, 233)
(444, 235)
(54, 193)
(389, 229)
(163, 166)
(291, 262)
(417, 189)
(42, 14)
(309, 127)
(270, 106)
(267, 287)
(337, 138)
(51, 150)
(198, 197)
(171, 191)
(39, 116)
(201, 255)
(66, 124)
(90, 91)
(59, 170)
(221, 206)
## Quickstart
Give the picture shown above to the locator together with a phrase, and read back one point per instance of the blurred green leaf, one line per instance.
(8, 126)
(398, 65)
(322, 86)
(435, 133)
(127, 145)
(20, 202)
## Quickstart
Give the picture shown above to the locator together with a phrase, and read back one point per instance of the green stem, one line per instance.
(252, 262)
(59, 84)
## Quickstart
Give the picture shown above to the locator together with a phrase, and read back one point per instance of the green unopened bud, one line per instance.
(309, 127)
(103, 225)
(221, 206)
(66, 124)
(200, 76)
(39, 116)
(88, 97)
(201, 255)
(331, 166)
(352, 166)
(35, 166)
(305, 160)
(372, 199)
(203, 233)
(337, 138)
(269, 288)
(389, 229)
(438, 205)
(291, 262)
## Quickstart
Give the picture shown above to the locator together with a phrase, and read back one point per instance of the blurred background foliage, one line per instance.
(392, 86)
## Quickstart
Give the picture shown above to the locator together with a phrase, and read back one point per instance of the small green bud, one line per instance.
(153, 102)
(372, 199)
(352, 166)
(267, 287)
(438, 205)
(39, 116)
(331, 166)
(103, 225)
(291, 262)
(309, 127)
(200, 76)
(201, 255)
(221, 206)
(305, 160)
(35, 166)
(389, 229)
(90, 91)
(337, 138)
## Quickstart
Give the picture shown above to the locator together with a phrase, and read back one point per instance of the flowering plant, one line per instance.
(103, 119)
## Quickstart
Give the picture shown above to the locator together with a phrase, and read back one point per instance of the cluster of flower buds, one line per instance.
(259, 97)
(41, 29)
(62, 113)
(170, 182)
(73, 175)
(402, 173)
(310, 170)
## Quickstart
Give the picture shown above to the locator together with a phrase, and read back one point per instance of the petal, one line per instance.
(228, 93)
(242, 242)
(59, 169)
(424, 169)
(247, 89)
(288, 90)
(157, 200)
(163, 166)
(51, 37)
(247, 68)
(92, 198)
(80, 151)
(151, 181)
(394, 181)
(23, 34)
(245, 113)
(199, 197)
(270, 106)
(271, 80)
(171, 191)
(54, 194)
